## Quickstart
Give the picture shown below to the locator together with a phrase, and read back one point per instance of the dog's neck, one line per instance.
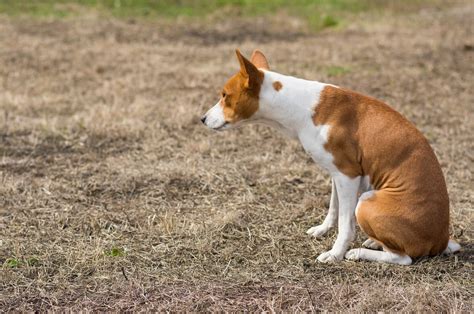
(287, 103)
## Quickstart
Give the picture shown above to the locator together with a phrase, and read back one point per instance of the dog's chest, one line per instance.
(313, 140)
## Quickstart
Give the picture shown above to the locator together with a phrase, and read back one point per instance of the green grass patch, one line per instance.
(318, 13)
(115, 252)
(13, 263)
(337, 70)
(17, 263)
(329, 21)
(174, 8)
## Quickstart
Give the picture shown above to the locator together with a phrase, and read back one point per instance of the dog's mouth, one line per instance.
(222, 127)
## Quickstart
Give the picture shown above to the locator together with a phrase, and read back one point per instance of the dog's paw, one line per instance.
(329, 257)
(371, 244)
(318, 231)
(353, 254)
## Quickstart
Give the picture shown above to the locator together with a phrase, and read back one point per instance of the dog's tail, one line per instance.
(452, 247)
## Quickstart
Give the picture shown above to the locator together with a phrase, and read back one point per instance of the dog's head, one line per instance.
(239, 99)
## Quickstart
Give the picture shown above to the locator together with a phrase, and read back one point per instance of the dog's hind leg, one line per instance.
(372, 244)
(378, 256)
(452, 247)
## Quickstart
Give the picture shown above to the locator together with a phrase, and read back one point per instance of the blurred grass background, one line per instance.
(318, 14)
(113, 196)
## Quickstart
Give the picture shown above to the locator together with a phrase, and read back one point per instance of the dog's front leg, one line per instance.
(331, 218)
(347, 189)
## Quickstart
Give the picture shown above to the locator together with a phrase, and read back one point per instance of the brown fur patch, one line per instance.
(240, 96)
(240, 102)
(277, 85)
(410, 212)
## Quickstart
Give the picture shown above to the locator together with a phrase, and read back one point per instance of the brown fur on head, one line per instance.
(240, 95)
(241, 92)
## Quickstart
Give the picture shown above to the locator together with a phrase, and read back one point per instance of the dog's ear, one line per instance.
(248, 69)
(259, 60)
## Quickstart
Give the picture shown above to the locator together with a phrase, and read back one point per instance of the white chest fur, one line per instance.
(313, 139)
(290, 109)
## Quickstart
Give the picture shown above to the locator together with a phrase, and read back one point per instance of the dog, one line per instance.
(384, 173)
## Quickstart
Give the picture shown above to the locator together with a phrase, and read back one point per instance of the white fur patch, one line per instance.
(452, 247)
(215, 117)
(363, 197)
(378, 256)
(289, 109)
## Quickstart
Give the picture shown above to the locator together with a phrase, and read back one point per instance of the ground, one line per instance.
(114, 196)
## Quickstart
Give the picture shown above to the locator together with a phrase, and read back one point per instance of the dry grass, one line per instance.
(113, 196)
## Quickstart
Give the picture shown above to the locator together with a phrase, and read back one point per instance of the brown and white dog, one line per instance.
(383, 169)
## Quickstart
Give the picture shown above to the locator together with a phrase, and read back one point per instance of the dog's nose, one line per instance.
(203, 119)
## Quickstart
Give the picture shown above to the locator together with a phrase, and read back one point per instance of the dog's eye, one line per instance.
(224, 94)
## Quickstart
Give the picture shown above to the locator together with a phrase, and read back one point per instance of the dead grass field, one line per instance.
(114, 196)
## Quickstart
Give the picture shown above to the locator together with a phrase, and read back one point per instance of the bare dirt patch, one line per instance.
(113, 196)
